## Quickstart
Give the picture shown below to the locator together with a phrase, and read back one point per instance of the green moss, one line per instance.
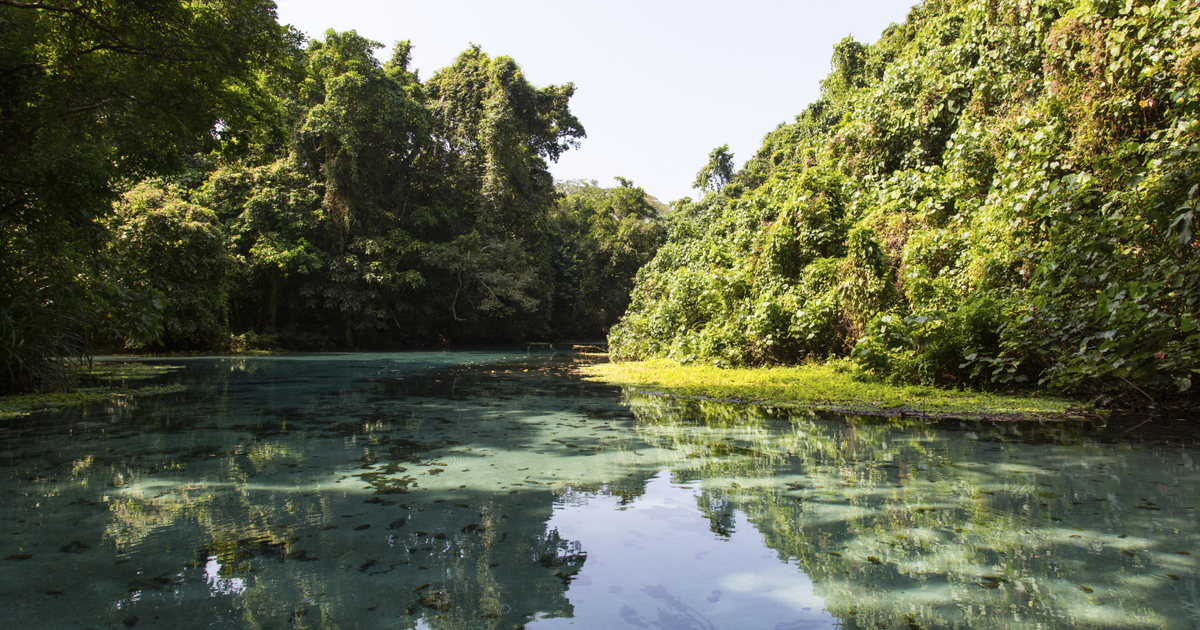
(106, 371)
(834, 386)
(17, 405)
(24, 404)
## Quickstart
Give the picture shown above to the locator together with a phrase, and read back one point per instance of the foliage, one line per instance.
(176, 251)
(400, 213)
(602, 236)
(992, 193)
(90, 93)
(717, 173)
(110, 382)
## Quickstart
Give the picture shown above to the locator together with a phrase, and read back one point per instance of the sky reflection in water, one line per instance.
(491, 490)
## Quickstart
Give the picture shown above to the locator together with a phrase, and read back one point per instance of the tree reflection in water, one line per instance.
(953, 523)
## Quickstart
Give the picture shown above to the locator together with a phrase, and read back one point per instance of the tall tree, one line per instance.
(717, 172)
(496, 131)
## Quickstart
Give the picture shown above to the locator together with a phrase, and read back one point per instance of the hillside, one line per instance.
(992, 193)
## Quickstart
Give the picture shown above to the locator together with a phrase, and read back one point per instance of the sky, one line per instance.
(659, 83)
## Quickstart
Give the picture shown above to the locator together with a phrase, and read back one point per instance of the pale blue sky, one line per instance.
(659, 83)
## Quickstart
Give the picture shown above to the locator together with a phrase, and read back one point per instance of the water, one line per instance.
(493, 490)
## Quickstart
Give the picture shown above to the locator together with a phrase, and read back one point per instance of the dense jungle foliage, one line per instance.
(194, 176)
(995, 192)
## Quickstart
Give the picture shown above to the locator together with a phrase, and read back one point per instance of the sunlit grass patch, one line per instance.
(824, 386)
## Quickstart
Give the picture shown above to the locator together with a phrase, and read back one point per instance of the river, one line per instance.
(491, 489)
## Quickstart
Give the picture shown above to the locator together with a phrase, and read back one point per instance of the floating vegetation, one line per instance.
(436, 601)
(385, 484)
(992, 582)
(75, 546)
(120, 371)
(19, 405)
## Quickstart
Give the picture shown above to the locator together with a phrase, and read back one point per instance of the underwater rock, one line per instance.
(75, 546)
(300, 555)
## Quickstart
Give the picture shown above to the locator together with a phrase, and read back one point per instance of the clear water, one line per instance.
(492, 490)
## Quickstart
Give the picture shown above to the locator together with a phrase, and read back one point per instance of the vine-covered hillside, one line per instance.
(993, 192)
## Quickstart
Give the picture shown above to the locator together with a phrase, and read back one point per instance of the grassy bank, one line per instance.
(108, 382)
(830, 386)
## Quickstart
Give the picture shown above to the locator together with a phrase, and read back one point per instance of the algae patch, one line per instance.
(111, 385)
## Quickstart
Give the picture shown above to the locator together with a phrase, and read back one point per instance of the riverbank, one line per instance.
(831, 386)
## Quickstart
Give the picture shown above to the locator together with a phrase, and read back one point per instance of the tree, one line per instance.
(980, 196)
(401, 214)
(495, 131)
(364, 134)
(92, 93)
(604, 235)
(718, 171)
(176, 250)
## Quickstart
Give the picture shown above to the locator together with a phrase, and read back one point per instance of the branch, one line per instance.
(126, 49)
(121, 47)
(17, 68)
(37, 5)
(1137, 388)
(86, 108)
(454, 302)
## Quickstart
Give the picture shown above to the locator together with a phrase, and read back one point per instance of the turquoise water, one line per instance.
(498, 490)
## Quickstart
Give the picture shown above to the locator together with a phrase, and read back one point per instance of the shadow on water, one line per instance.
(495, 490)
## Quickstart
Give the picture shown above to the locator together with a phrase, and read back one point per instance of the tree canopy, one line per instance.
(192, 176)
(92, 94)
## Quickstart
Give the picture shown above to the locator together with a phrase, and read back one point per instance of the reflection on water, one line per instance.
(658, 562)
(492, 490)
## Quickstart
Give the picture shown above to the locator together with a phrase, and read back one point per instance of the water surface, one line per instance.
(495, 490)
